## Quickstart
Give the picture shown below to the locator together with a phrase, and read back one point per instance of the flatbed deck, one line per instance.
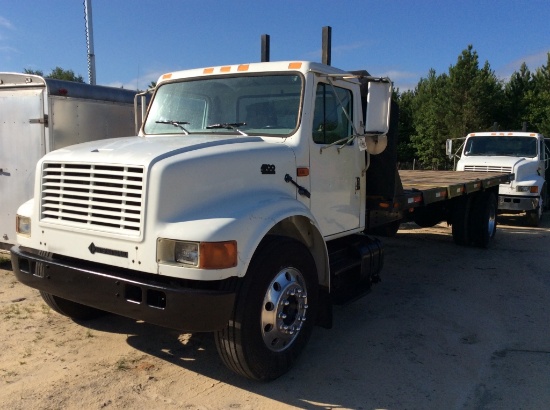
(425, 187)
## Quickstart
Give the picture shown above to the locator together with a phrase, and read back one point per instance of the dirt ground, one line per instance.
(448, 327)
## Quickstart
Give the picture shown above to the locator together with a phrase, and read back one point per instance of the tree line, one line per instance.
(469, 98)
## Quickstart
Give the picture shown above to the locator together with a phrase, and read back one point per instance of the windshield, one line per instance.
(247, 105)
(501, 146)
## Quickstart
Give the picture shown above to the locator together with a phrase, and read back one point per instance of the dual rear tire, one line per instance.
(474, 219)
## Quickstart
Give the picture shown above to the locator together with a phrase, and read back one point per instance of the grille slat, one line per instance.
(101, 197)
(488, 168)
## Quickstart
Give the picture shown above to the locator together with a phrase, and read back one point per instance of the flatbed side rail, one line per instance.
(426, 187)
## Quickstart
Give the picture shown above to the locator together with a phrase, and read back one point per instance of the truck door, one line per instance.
(21, 146)
(335, 170)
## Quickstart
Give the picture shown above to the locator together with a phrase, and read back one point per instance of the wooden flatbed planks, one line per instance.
(439, 185)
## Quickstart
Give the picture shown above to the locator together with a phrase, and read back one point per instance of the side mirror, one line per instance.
(377, 116)
(449, 148)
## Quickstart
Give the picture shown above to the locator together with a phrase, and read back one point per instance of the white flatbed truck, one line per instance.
(526, 155)
(239, 209)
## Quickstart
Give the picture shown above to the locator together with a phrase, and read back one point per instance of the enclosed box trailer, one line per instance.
(39, 115)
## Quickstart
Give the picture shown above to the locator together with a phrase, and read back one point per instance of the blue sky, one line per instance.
(138, 40)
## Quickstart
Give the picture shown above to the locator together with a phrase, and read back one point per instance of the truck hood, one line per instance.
(144, 150)
(163, 180)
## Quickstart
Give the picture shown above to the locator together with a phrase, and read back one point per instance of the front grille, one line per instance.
(106, 198)
(488, 168)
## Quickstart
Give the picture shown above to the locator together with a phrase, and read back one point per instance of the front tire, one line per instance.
(534, 218)
(274, 312)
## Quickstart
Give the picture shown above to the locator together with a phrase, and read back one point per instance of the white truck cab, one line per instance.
(523, 154)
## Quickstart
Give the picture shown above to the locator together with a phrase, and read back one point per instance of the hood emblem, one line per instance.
(96, 249)
(268, 169)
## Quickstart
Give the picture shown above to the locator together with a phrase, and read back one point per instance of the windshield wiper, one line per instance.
(229, 126)
(178, 124)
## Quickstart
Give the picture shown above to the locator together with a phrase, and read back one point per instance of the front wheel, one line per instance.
(535, 217)
(274, 312)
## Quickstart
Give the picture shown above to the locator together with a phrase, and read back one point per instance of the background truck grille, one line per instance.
(486, 168)
(101, 197)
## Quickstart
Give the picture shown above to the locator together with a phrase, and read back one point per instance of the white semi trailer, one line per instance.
(39, 115)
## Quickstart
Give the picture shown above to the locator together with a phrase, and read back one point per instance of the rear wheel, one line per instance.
(483, 219)
(274, 312)
(461, 221)
(71, 309)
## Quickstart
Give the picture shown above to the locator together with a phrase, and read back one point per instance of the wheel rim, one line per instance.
(284, 309)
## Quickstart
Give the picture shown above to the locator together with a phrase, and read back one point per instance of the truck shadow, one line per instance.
(197, 353)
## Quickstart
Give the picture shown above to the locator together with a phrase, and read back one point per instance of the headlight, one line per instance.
(187, 253)
(202, 255)
(23, 225)
(530, 189)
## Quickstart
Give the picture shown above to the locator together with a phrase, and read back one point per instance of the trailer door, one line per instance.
(21, 146)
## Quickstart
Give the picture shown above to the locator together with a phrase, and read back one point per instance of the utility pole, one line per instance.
(90, 40)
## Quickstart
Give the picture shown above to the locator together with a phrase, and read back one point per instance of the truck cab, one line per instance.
(523, 154)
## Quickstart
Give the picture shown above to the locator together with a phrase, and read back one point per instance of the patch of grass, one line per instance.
(17, 311)
(38, 337)
(7, 374)
(11, 311)
(122, 364)
(125, 363)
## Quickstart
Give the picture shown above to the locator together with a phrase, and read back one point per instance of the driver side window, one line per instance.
(330, 123)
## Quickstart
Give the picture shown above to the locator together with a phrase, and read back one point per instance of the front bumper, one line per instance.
(154, 299)
(517, 203)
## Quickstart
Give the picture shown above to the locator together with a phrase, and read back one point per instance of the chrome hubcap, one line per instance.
(284, 309)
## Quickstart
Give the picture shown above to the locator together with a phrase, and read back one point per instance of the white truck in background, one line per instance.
(526, 155)
(39, 115)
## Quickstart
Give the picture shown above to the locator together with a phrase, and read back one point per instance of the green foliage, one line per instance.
(57, 73)
(538, 100)
(428, 116)
(469, 98)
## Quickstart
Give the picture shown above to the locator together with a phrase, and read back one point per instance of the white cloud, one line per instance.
(403, 80)
(140, 83)
(5, 23)
(533, 62)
